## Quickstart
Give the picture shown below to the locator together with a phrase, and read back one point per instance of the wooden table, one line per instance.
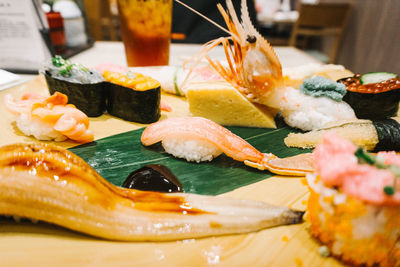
(47, 245)
(113, 52)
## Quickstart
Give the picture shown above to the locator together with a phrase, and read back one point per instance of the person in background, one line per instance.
(191, 28)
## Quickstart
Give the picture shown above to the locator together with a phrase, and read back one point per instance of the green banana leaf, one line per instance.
(115, 157)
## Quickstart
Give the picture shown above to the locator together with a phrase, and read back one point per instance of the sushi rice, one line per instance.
(191, 149)
(309, 113)
(38, 129)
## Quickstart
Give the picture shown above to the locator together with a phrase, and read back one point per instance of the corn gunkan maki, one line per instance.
(133, 97)
(373, 95)
(84, 87)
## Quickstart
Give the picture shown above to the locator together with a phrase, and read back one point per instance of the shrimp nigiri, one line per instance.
(199, 139)
(49, 118)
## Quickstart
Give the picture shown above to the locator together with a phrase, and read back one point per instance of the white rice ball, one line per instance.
(310, 113)
(39, 130)
(190, 149)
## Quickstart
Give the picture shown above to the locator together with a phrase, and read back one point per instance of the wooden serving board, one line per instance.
(42, 244)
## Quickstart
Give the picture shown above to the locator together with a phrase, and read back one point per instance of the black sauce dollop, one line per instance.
(154, 177)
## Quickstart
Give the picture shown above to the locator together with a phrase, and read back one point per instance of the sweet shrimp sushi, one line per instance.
(354, 205)
(198, 139)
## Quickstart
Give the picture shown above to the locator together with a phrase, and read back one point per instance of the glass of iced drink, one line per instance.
(146, 31)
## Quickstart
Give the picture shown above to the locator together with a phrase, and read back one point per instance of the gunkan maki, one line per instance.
(84, 87)
(133, 97)
(373, 95)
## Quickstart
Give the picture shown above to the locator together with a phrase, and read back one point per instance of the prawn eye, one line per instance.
(251, 39)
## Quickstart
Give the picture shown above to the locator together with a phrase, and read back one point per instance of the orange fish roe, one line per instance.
(137, 82)
(285, 238)
(335, 225)
(353, 84)
(299, 262)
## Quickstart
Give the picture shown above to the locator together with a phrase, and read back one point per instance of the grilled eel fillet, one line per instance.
(48, 183)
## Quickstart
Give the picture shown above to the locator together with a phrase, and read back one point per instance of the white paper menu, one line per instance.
(22, 46)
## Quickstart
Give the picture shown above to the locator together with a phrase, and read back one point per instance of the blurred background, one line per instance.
(362, 35)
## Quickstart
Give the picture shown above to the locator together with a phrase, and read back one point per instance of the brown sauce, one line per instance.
(153, 177)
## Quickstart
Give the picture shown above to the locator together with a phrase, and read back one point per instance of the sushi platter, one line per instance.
(239, 194)
(47, 244)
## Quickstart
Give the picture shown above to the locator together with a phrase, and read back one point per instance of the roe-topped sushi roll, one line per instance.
(354, 205)
(133, 96)
(373, 95)
(84, 87)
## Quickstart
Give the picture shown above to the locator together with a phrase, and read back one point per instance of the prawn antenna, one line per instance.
(204, 17)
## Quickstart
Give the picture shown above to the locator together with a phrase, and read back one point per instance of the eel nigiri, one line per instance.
(199, 139)
(49, 118)
(48, 183)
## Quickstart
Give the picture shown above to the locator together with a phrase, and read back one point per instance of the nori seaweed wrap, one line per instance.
(133, 97)
(388, 131)
(372, 101)
(85, 88)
